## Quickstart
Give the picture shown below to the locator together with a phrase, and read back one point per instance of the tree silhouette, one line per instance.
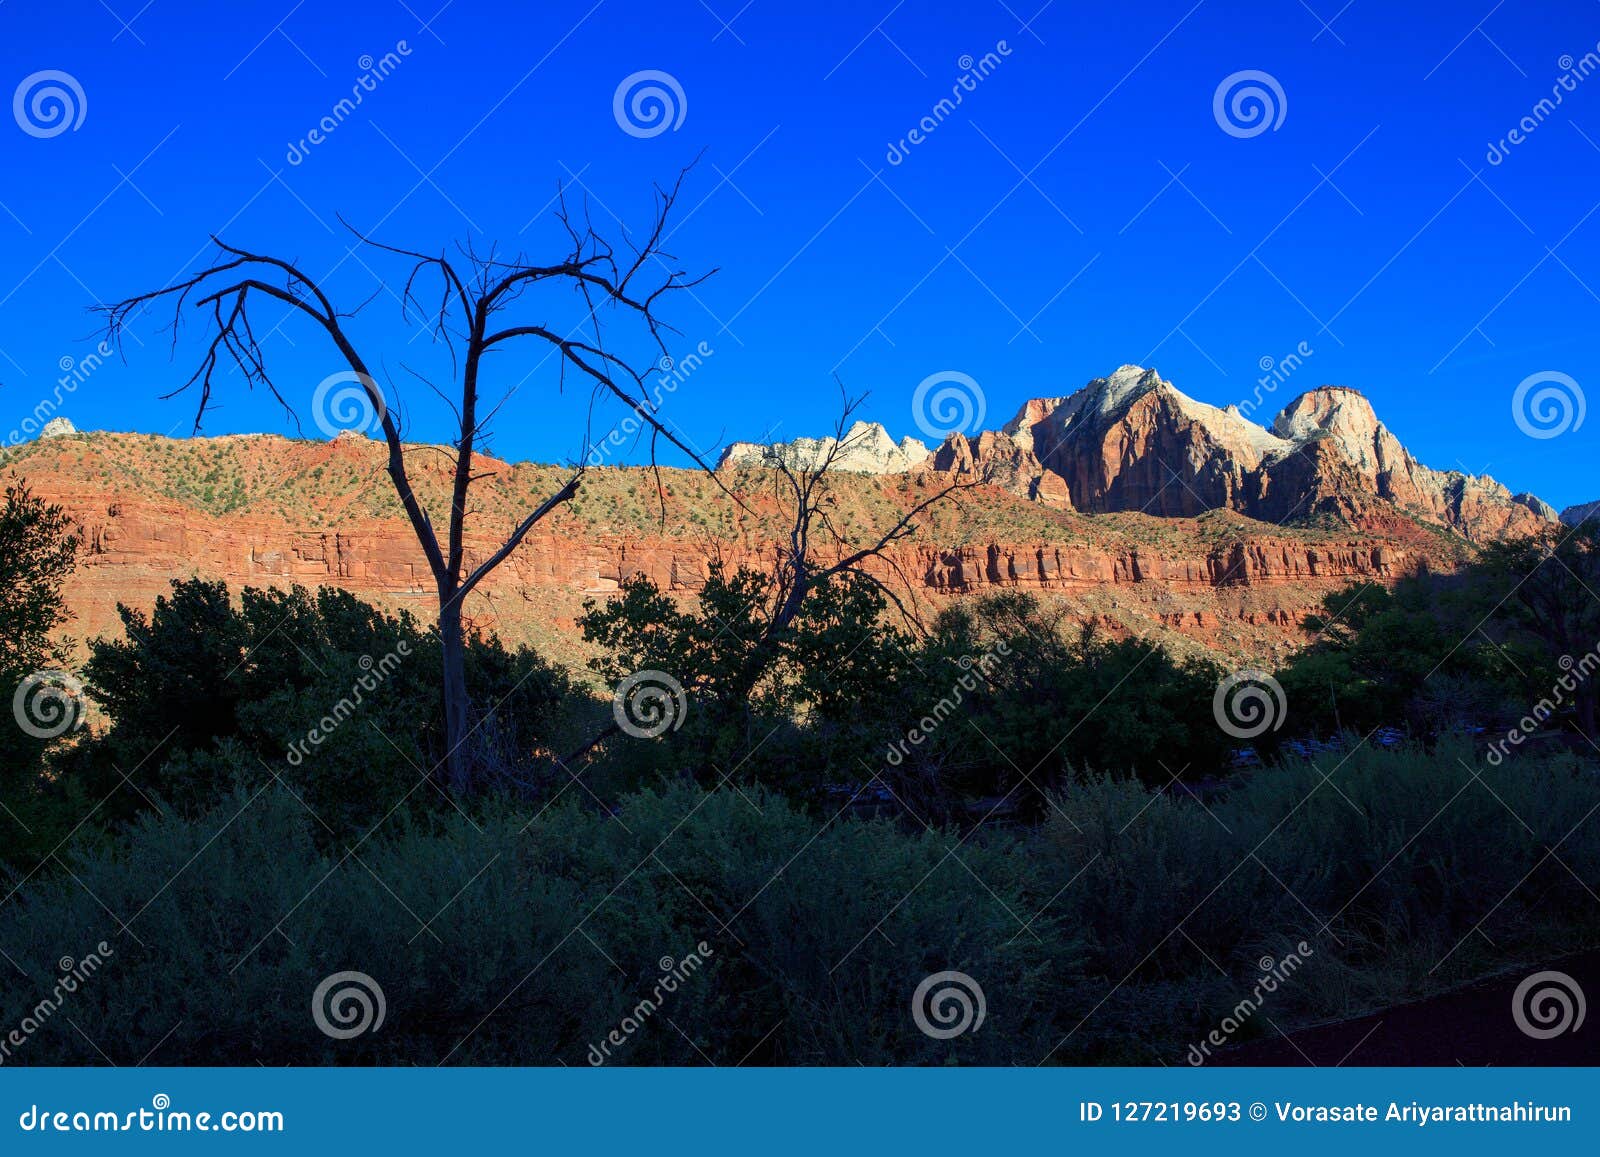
(475, 316)
(1551, 585)
(761, 611)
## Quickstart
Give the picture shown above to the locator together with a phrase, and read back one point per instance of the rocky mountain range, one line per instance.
(1128, 504)
(1580, 512)
(866, 448)
(1133, 442)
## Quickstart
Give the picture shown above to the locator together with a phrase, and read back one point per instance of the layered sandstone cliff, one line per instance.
(263, 510)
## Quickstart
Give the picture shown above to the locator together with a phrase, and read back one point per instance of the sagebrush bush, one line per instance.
(1385, 862)
(514, 940)
(1120, 929)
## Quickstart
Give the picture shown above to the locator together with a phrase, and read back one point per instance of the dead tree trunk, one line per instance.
(470, 312)
(457, 702)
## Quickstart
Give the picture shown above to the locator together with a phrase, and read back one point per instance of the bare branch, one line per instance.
(473, 296)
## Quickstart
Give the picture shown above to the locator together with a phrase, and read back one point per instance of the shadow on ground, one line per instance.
(1473, 1026)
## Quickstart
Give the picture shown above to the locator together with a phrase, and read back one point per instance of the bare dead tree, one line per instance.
(475, 316)
(816, 550)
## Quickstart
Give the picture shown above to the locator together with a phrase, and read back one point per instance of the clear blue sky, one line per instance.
(1081, 209)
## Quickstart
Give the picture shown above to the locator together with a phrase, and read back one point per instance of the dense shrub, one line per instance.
(750, 673)
(1412, 657)
(1543, 593)
(1122, 928)
(996, 702)
(1017, 697)
(541, 933)
(335, 697)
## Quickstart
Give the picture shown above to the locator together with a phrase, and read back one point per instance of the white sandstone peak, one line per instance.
(866, 448)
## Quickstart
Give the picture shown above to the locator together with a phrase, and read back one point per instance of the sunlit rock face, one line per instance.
(866, 448)
(1133, 442)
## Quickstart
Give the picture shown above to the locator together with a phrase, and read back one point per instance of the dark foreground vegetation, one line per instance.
(836, 808)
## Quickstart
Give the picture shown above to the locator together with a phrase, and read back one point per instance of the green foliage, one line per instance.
(38, 547)
(1544, 591)
(1034, 699)
(1441, 653)
(843, 658)
(327, 693)
(645, 630)
(998, 697)
(172, 678)
(1407, 657)
(1121, 929)
(833, 667)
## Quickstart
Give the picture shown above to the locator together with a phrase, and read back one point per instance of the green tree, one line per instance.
(1402, 657)
(1545, 591)
(744, 666)
(38, 547)
(1019, 700)
(322, 690)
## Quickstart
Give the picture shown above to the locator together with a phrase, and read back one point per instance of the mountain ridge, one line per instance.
(263, 510)
(1133, 441)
